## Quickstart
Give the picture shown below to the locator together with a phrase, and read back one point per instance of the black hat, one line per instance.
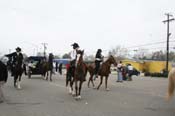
(99, 50)
(18, 49)
(75, 45)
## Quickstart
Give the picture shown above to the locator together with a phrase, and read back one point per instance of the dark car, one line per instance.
(35, 65)
(135, 72)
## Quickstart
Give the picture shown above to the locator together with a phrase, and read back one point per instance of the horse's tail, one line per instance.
(171, 84)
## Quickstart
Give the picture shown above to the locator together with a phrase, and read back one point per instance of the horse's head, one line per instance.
(112, 60)
(79, 59)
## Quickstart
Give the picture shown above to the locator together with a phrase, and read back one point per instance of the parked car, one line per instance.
(135, 72)
(34, 65)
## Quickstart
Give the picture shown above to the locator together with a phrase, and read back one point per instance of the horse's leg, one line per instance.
(50, 75)
(47, 74)
(66, 80)
(19, 82)
(76, 87)
(80, 85)
(44, 74)
(101, 81)
(71, 86)
(106, 83)
(15, 79)
(89, 80)
(92, 81)
(68, 77)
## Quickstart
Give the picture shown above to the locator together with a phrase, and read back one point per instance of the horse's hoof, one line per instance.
(94, 87)
(73, 93)
(19, 87)
(79, 97)
(70, 91)
(107, 89)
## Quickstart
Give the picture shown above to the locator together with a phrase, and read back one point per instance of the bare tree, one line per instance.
(119, 52)
(89, 57)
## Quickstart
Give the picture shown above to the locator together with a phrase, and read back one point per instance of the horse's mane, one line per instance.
(108, 60)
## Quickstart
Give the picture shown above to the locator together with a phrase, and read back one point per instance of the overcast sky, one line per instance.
(91, 23)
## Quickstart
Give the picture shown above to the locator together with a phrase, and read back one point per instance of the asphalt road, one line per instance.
(144, 96)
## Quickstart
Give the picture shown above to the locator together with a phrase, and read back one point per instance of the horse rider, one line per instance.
(98, 59)
(73, 54)
(17, 62)
(3, 79)
(50, 61)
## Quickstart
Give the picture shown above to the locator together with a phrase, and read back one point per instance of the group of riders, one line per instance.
(98, 59)
(17, 66)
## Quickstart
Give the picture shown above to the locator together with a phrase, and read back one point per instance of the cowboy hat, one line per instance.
(75, 45)
(18, 49)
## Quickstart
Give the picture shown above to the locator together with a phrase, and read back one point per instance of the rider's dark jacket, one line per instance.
(17, 59)
(98, 60)
(98, 57)
(50, 60)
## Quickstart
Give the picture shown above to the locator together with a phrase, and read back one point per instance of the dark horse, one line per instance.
(47, 70)
(103, 71)
(17, 69)
(78, 74)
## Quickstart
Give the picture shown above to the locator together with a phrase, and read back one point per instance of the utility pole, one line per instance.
(168, 35)
(45, 47)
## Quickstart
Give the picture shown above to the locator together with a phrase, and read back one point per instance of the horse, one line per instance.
(171, 83)
(17, 68)
(78, 74)
(47, 70)
(103, 71)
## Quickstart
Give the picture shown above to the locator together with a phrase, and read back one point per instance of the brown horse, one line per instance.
(47, 70)
(103, 71)
(78, 74)
(171, 83)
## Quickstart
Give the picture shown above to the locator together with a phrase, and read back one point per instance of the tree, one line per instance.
(89, 57)
(141, 53)
(66, 55)
(119, 52)
(57, 56)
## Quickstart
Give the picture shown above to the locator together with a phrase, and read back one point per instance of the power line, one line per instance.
(149, 44)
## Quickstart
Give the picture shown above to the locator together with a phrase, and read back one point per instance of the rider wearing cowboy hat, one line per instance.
(17, 57)
(73, 53)
(17, 61)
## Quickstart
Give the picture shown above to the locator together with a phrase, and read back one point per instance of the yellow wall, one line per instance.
(137, 65)
(156, 66)
(148, 66)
